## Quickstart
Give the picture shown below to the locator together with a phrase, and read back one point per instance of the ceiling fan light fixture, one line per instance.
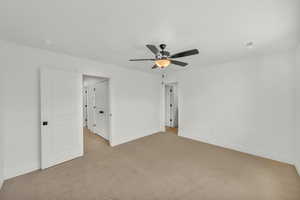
(162, 63)
(163, 58)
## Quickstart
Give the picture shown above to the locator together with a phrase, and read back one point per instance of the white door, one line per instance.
(168, 106)
(167, 103)
(172, 106)
(61, 116)
(90, 108)
(84, 95)
(102, 109)
(171, 110)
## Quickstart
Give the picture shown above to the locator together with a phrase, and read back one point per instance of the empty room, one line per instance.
(123, 100)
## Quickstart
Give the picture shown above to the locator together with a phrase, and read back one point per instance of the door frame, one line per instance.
(163, 118)
(85, 108)
(109, 102)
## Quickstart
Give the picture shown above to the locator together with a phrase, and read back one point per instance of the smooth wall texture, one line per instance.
(1, 156)
(135, 100)
(1, 137)
(297, 100)
(246, 105)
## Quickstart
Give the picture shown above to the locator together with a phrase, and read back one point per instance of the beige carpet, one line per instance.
(171, 130)
(162, 166)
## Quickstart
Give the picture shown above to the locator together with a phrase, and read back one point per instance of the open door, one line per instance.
(61, 116)
(171, 107)
(91, 108)
(102, 109)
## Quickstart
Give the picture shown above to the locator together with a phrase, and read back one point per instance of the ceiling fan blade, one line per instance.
(176, 62)
(185, 53)
(154, 67)
(141, 59)
(153, 48)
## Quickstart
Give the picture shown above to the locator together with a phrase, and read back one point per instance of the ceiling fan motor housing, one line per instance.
(162, 46)
(163, 53)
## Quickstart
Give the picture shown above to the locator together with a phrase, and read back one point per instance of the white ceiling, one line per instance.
(114, 31)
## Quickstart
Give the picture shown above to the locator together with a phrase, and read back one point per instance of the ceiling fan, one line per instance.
(163, 58)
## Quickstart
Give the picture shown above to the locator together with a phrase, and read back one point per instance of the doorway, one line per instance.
(96, 107)
(171, 107)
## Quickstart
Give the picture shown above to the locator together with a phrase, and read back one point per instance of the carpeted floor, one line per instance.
(161, 166)
(171, 130)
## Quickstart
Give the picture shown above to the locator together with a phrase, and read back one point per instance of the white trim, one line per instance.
(163, 114)
(108, 79)
(297, 169)
(20, 170)
(235, 148)
(132, 138)
(163, 110)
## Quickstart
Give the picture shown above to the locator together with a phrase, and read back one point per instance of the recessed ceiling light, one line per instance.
(249, 45)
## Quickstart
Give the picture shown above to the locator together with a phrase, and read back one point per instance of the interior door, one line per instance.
(102, 109)
(85, 104)
(167, 105)
(91, 108)
(171, 106)
(61, 116)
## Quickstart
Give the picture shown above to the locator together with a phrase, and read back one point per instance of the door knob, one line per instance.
(45, 123)
(101, 111)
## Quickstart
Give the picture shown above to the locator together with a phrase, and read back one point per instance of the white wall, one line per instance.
(297, 132)
(246, 105)
(1, 135)
(135, 100)
(1, 153)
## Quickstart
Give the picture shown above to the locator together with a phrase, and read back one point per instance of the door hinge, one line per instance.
(85, 119)
(94, 89)
(171, 105)
(171, 120)
(85, 91)
(86, 106)
(171, 90)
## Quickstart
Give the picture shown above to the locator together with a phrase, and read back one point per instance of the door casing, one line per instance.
(166, 105)
(109, 114)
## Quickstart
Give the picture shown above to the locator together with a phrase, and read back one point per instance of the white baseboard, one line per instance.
(298, 169)
(1, 184)
(13, 172)
(238, 149)
(132, 138)
(10, 172)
